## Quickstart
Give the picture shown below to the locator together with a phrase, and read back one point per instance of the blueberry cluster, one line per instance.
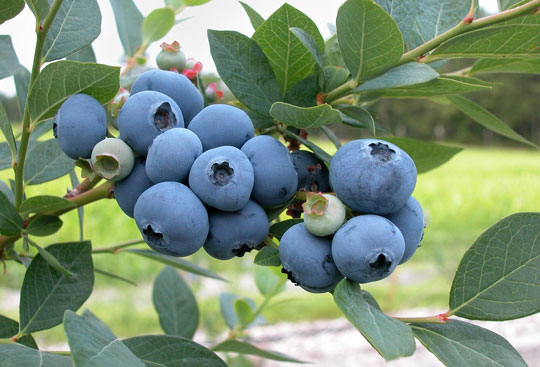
(375, 180)
(189, 176)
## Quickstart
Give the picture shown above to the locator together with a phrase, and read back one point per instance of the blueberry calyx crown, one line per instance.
(164, 117)
(155, 238)
(221, 174)
(381, 264)
(240, 251)
(289, 276)
(382, 151)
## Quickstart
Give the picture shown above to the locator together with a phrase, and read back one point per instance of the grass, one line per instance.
(461, 199)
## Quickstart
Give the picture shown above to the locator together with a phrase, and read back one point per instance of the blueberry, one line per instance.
(80, 123)
(275, 177)
(372, 176)
(171, 219)
(367, 248)
(410, 221)
(171, 155)
(307, 260)
(235, 233)
(312, 172)
(144, 116)
(222, 178)
(176, 86)
(220, 124)
(127, 191)
(112, 159)
(323, 214)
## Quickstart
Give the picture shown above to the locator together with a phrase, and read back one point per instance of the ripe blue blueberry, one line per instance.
(372, 176)
(312, 172)
(144, 116)
(410, 221)
(80, 123)
(171, 155)
(275, 177)
(367, 248)
(176, 86)
(220, 124)
(112, 159)
(235, 233)
(307, 260)
(128, 190)
(171, 219)
(222, 178)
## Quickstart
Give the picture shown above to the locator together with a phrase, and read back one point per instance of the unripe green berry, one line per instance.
(170, 57)
(323, 214)
(112, 159)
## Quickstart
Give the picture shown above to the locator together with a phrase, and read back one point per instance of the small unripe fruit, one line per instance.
(112, 159)
(323, 214)
(171, 57)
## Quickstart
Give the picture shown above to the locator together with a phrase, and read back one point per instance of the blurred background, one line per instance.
(491, 178)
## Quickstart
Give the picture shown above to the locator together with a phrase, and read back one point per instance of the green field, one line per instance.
(473, 191)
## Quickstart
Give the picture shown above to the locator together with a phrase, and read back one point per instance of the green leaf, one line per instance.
(22, 81)
(9, 9)
(288, 56)
(62, 79)
(5, 156)
(278, 229)
(403, 75)
(5, 126)
(426, 155)
(511, 40)
(268, 256)
(318, 151)
(237, 346)
(361, 115)
(243, 311)
(40, 8)
(6, 191)
(255, 18)
(85, 54)
(114, 276)
(45, 162)
(304, 117)
(460, 344)
(80, 210)
(441, 86)
(245, 69)
(10, 62)
(497, 277)
(10, 328)
(10, 220)
(41, 129)
(45, 203)
(423, 20)
(129, 22)
(195, 2)
(175, 304)
(334, 76)
(174, 4)
(92, 344)
(390, 337)
(172, 351)
(304, 93)
(507, 4)
(487, 119)
(44, 225)
(269, 281)
(76, 25)
(176, 263)
(51, 260)
(157, 24)
(332, 53)
(226, 304)
(369, 39)
(44, 290)
(20, 356)
(531, 66)
(310, 44)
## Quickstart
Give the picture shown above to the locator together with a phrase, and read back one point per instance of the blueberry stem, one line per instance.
(118, 247)
(41, 32)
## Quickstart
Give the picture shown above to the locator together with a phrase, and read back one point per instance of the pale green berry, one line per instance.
(112, 159)
(323, 213)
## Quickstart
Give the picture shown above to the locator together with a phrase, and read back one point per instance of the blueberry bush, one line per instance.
(194, 173)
